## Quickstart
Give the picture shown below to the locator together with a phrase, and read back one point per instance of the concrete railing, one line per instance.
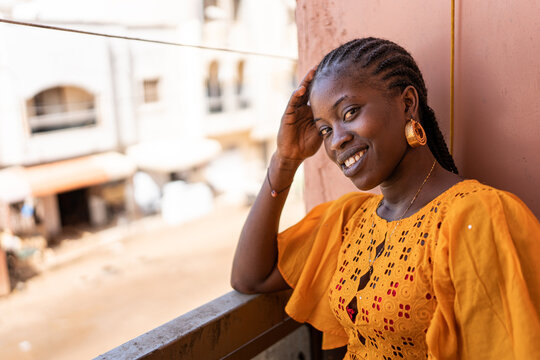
(234, 326)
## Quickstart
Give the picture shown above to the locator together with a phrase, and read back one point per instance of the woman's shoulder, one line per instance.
(339, 211)
(470, 194)
(486, 269)
(349, 201)
(473, 201)
(469, 188)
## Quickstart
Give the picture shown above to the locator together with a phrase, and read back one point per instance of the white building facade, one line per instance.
(97, 94)
(105, 108)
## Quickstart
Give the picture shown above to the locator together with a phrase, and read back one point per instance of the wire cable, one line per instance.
(162, 42)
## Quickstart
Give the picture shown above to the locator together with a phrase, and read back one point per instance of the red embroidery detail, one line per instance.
(351, 313)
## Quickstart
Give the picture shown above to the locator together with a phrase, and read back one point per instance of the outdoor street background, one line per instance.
(108, 288)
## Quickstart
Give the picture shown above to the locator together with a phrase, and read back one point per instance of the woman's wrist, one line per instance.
(282, 163)
(281, 172)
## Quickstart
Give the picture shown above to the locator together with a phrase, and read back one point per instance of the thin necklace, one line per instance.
(382, 245)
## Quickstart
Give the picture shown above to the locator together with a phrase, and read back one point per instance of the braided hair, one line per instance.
(398, 70)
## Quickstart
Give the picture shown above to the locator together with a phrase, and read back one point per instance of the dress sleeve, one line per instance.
(307, 260)
(486, 278)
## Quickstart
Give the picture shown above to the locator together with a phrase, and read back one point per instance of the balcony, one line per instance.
(234, 326)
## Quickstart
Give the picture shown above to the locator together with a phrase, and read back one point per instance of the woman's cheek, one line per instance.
(327, 141)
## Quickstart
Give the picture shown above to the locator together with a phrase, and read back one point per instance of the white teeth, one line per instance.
(350, 161)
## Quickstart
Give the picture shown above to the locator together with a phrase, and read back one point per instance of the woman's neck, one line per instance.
(412, 178)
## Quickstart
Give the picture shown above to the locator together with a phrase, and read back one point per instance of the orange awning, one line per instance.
(18, 183)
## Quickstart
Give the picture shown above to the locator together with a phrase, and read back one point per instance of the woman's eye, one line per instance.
(349, 113)
(324, 131)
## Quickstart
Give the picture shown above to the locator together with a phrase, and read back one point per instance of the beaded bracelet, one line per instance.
(274, 193)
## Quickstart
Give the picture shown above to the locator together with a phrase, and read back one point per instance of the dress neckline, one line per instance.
(445, 193)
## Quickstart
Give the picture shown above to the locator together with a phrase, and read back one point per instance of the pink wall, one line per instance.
(497, 94)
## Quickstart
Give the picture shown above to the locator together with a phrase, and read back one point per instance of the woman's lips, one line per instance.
(353, 162)
(354, 158)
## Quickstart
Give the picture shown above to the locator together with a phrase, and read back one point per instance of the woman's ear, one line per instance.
(409, 97)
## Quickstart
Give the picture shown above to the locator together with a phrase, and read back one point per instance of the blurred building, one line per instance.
(79, 115)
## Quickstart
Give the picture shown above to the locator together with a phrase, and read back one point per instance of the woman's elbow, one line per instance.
(243, 287)
(272, 283)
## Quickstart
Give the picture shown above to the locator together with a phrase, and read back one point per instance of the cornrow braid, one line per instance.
(398, 69)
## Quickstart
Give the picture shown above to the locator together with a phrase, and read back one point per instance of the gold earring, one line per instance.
(415, 134)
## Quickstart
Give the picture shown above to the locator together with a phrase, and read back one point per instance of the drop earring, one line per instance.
(414, 133)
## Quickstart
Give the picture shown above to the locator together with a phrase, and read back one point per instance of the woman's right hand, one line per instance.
(255, 261)
(298, 138)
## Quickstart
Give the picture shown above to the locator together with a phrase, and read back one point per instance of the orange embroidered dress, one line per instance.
(459, 279)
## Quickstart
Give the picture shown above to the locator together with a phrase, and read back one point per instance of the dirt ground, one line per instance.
(109, 287)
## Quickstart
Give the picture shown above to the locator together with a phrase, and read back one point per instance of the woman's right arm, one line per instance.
(255, 261)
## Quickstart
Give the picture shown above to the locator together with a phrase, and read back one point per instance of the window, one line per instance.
(59, 108)
(213, 88)
(209, 8)
(240, 85)
(291, 15)
(151, 90)
(236, 6)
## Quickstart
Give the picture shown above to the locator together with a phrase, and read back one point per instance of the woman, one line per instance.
(436, 266)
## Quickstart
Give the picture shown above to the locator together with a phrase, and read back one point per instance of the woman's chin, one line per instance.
(364, 184)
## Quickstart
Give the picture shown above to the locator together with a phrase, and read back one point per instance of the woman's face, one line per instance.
(362, 126)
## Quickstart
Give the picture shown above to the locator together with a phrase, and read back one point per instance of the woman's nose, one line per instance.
(340, 137)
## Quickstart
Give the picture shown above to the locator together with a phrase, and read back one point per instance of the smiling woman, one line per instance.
(437, 266)
(370, 114)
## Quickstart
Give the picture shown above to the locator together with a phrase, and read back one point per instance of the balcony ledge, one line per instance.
(234, 326)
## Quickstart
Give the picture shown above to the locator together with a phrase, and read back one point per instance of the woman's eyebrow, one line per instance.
(334, 106)
(339, 101)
